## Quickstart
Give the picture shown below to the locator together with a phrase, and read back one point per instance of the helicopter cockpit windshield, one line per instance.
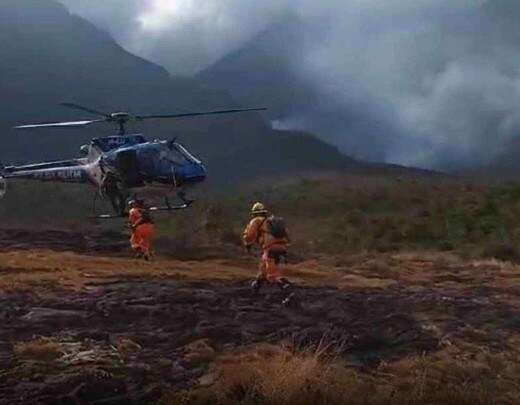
(181, 149)
(161, 160)
(176, 155)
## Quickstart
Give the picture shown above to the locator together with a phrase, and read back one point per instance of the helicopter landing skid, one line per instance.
(170, 208)
(167, 207)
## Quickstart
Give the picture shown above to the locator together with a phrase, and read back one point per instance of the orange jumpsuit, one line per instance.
(141, 239)
(257, 232)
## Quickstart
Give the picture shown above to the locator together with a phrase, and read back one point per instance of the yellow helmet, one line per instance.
(258, 209)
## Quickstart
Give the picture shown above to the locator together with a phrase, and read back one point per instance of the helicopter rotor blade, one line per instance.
(194, 114)
(70, 124)
(87, 109)
(123, 118)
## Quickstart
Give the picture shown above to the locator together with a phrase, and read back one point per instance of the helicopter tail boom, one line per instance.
(64, 171)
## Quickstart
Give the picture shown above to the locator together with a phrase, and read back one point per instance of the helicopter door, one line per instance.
(128, 167)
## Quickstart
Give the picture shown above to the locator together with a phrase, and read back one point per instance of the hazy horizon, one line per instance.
(433, 83)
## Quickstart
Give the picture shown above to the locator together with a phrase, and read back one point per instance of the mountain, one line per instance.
(268, 70)
(265, 64)
(49, 56)
(504, 167)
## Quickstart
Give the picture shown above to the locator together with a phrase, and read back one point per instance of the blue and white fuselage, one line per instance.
(133, 160)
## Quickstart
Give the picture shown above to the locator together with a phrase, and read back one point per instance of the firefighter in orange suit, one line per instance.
(143, 229)
(274, 248)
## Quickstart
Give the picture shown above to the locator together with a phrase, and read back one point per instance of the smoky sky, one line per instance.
(437, 82)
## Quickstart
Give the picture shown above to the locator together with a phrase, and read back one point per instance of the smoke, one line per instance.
(441, 76)
(434, 83)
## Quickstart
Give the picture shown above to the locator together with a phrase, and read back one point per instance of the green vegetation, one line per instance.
(45, 204)
(337, 216)
(332, 215)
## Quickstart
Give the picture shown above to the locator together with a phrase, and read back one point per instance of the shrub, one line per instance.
(271, 375)
(42, 349)
(275, 376)
(502, 251)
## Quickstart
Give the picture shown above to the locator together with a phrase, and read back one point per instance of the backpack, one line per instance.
(146, 217)
(276, 227)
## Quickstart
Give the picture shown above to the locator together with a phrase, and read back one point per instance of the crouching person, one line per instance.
(268, 232)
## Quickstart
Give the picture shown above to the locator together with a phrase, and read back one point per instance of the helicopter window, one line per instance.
(175, 156)
(187, 155)
(148, 159)
(160, 160)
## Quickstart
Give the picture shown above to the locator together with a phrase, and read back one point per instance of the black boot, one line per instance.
(290, 300)
(257, 284)
(284, 284)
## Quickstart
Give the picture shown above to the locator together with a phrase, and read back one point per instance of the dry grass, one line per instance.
(41, 271)
(127, 347)
(270, 375)
(41, 349)
(284, 378)
(44, 272)
(455, 376)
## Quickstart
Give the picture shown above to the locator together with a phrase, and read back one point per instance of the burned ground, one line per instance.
(81, 242)
(105, 329)
(162, 318)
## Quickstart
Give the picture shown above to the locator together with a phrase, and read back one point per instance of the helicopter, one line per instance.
(121, 165)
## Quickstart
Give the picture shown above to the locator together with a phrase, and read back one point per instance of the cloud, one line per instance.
(189, 35)
(183, 35)
(118, 17)
(427, 82)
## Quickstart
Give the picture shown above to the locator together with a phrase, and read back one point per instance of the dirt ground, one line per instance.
(81, 324)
